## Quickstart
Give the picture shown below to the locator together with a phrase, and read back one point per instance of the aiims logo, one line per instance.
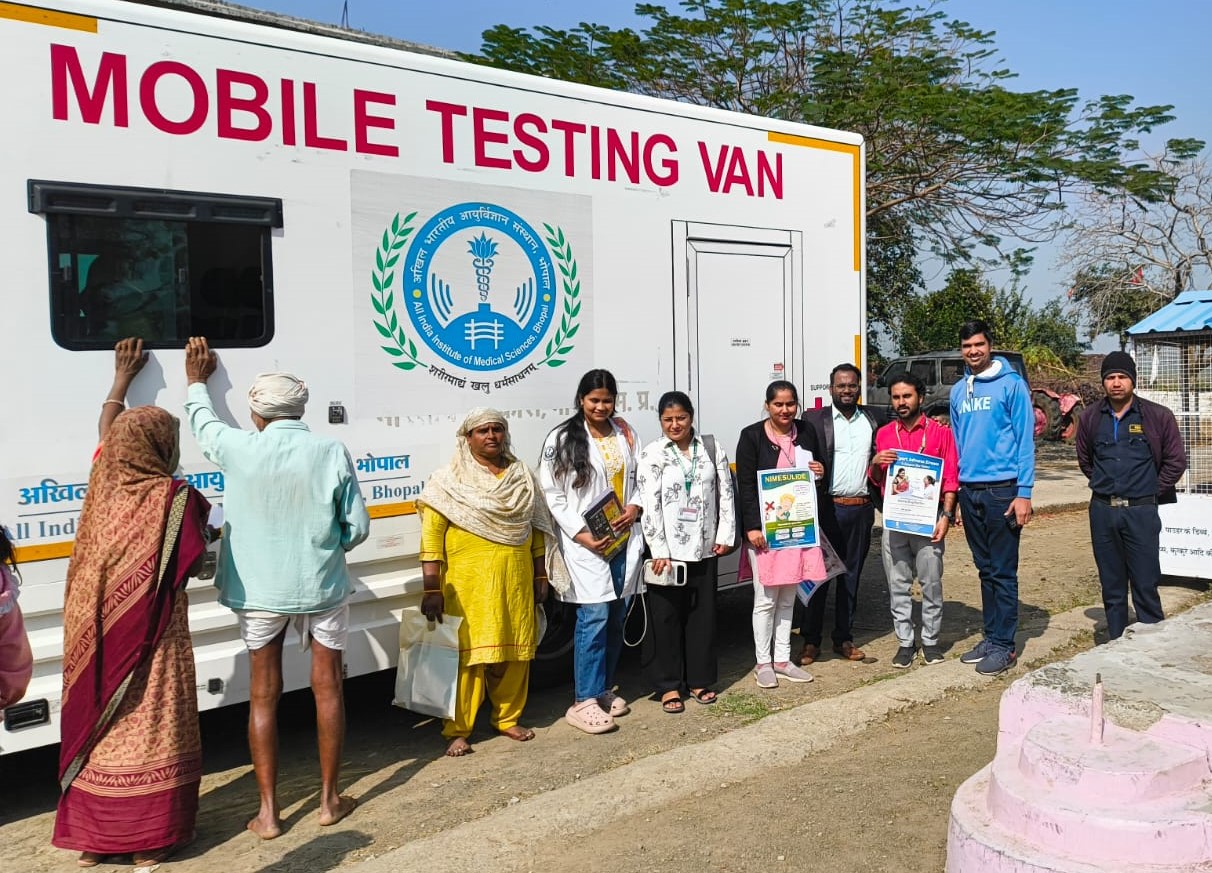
(479, 287)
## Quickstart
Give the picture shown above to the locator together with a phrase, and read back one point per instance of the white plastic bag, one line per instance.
(428, 672)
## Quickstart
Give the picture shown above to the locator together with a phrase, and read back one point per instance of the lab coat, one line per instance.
(591, 582)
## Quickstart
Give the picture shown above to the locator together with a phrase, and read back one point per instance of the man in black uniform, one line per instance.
(1132, 452)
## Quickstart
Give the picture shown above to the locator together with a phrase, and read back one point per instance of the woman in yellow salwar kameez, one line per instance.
(483, 520)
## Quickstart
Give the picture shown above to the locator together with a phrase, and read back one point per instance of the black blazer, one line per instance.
(820, 422)
(754, 452)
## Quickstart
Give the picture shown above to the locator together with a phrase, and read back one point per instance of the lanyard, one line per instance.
(687, 475)
(921, 450)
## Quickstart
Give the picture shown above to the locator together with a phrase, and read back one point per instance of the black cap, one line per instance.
(1119, 362)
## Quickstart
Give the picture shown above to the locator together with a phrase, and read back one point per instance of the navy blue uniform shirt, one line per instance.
(1123, 465)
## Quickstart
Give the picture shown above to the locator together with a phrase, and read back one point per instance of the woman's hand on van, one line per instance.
(129, 359)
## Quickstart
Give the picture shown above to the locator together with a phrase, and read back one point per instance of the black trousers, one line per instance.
(851, 540)
(679, 649)
(1125, 541)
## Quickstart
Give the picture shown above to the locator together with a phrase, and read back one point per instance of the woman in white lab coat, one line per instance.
(585, 458)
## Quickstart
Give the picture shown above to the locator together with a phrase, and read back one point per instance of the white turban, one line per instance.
(277, 395)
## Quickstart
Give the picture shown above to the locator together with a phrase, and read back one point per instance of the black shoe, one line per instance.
(932, 655)
(904, 657)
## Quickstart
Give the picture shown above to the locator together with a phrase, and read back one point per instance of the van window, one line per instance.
(161, 265)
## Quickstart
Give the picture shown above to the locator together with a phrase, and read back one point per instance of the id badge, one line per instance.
(688, 513)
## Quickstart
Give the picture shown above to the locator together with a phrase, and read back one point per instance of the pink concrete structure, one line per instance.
(1081, 783)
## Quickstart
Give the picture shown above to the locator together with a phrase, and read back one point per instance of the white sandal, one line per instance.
(589, 717)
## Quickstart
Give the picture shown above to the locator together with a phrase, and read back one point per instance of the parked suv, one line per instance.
(1055, 414)
(939, 371)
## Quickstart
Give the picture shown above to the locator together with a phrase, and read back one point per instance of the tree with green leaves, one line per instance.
(931, 322)
(1044, 334)
(958, 162)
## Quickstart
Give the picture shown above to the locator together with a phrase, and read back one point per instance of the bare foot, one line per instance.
(519, 733)
(345, 805)
(458, 748)
(264, 830)
(89, 859)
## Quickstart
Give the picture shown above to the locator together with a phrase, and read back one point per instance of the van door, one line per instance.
(738, 306)
(738, 303)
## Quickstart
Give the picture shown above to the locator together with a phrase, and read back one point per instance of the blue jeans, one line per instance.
(598, 638)
(995, 552)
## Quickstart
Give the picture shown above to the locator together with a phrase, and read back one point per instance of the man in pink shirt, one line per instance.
(907, 554)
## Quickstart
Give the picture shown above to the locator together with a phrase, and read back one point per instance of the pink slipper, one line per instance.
(589, 717)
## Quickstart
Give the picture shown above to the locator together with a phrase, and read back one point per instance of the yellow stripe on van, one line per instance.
(858, 350)
(391, 510)
(44, 552)
(51, 18)
(845, 148)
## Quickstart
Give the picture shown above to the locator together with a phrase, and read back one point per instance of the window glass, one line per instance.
(161, 280)
(953, 370)
(161, 265)
(924, 370)
(896, 368)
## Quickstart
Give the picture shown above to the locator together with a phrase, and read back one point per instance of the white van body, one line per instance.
(434, 236)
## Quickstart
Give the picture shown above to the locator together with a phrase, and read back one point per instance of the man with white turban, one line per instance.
(292, 509)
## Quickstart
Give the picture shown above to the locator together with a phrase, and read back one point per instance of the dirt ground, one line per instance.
(878, 800)
(406, 788)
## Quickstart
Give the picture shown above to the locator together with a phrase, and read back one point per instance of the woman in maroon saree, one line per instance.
(130, 761)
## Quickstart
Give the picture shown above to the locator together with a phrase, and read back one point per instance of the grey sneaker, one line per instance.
(996, 661)
(792, 672)
(978, 653)
(765, 676)
(932, 655)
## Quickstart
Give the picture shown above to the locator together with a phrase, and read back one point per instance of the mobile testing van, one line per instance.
(412, 235)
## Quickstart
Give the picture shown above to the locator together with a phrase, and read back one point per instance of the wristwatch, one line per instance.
(949, 514)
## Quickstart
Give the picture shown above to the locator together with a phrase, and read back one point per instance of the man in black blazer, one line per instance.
(845, 432)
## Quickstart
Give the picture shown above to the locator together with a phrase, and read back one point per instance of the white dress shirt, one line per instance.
(851, 454)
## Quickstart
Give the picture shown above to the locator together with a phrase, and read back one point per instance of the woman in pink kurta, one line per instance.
(775, 443)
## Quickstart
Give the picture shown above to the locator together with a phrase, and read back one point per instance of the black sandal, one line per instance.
(701, 696)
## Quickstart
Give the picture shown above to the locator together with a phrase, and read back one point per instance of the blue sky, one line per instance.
(1152, 50)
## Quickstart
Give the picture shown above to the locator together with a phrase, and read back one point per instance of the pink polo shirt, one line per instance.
(927, 437)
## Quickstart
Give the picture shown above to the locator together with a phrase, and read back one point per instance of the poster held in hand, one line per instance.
(911, 493)
(599, 518)
(788, 501)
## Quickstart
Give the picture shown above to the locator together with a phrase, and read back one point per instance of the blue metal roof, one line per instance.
(1189, 312)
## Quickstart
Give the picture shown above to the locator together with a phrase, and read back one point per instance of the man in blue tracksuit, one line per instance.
(994, 428)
